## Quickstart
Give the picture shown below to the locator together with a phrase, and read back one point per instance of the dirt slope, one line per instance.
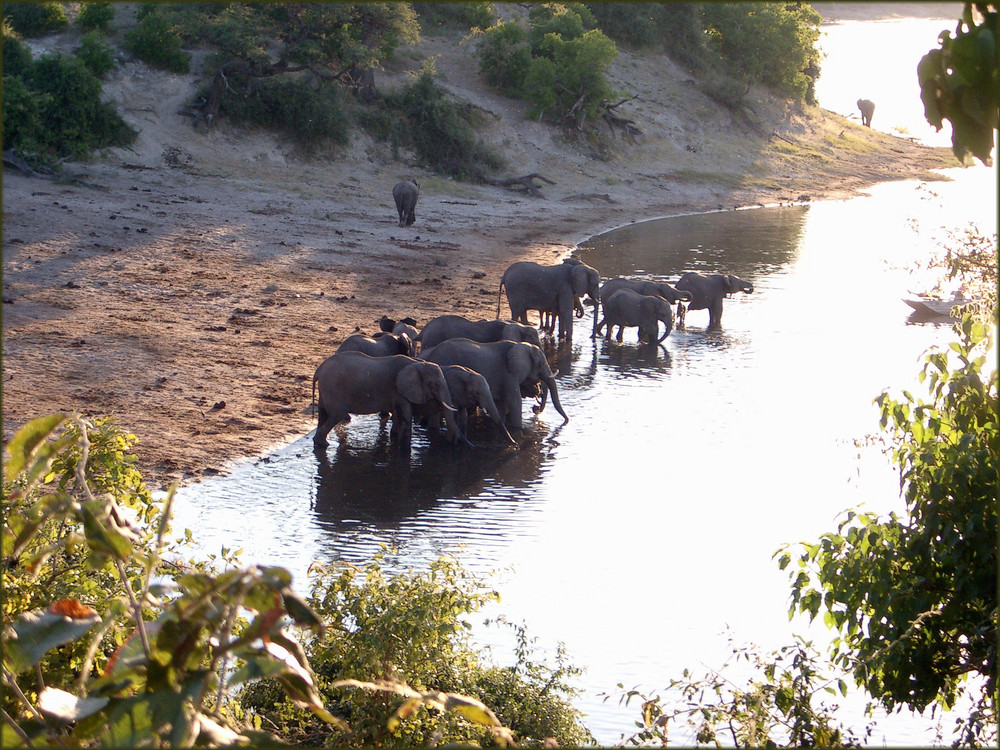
(194, 286)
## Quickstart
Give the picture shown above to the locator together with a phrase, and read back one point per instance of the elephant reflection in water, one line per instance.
(383, 487)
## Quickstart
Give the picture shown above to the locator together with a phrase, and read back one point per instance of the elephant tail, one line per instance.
(503, 282)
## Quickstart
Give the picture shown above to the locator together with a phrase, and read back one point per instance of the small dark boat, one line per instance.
(935, 307)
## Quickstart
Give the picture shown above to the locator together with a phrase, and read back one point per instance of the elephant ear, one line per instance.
(732, 285)
(405, 343)
(410, 383)
(579, 280)
(519, 361)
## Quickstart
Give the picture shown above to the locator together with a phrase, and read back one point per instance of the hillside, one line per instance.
(196, 280)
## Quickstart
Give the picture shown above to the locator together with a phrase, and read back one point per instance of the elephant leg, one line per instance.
(621, 333)
(326, 422)
(715, 316)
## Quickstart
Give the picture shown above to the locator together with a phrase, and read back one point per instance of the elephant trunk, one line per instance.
(551, 383)
(491, 408)
(452, 426)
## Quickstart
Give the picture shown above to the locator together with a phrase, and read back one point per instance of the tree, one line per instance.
(914, 599)
(959, 82)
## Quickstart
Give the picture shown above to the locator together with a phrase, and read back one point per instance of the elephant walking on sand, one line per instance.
(531, 286)
(667, 292)
(446, 327)
(707, 292)
(867, 107)
(469, 391)
(355, 383)
(512, 369)
(405, 195)
(626, 308)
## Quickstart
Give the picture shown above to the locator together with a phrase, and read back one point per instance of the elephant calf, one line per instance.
(405, 195)
(469, 391)
(626, 308)
(667, 292)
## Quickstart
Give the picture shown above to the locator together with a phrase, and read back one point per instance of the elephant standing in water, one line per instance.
(446, 327)
(469, 391)
(628, 308)
(667, 292)
(531, 286)
(405, 195)
(355, 383)
(511, 368)
(867, 107)
(707, 292)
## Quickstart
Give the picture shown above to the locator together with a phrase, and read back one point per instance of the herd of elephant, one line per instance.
(454, 366)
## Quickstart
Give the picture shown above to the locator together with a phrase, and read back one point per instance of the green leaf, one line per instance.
(34, 634)
(102, 537)
(29, 443)
(471, 709)
(130, 724)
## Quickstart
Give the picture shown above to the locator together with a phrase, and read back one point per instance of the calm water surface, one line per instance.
(641, 533)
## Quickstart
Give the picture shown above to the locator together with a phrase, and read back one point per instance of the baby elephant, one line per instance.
(405, 195)
(628, 308)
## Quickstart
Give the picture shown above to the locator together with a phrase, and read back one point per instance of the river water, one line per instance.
(641, 533)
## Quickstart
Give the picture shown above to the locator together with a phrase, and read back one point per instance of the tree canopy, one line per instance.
(959, 82)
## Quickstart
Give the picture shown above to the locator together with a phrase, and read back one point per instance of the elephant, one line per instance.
(405, 195)
(406, 325)
(511, 368)
(380, 345)
(867, 107)
(707, 292)
(356, 383)
(626, 308)
(667, 292)
(469, 391)
(447, 327)
(531, 286)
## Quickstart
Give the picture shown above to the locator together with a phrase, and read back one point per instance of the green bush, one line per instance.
(22, 116)
(74, 117)
(412, 627)
(95, 15)
(673, 27)
(306, 113)
(441, 131)
(96, 53)
(504, 57)
(36, 19)
(557, 64)
(17, 58)
(156, 42)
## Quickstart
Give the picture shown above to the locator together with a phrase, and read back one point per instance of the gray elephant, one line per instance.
(707, 292)
(626, 308)
(405, 195)
(511, 368)
(406, 325)
(664, 290)
(531, 286)
(446, 327)
(380, 345)
(469, 391)
(355, 383)
(867, 108)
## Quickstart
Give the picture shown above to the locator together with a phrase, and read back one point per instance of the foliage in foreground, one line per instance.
(960, 82)
(914, 599)
(412, 627)
(780, 705)
(109, 641)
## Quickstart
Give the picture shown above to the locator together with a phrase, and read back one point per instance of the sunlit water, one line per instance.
(641, 533)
